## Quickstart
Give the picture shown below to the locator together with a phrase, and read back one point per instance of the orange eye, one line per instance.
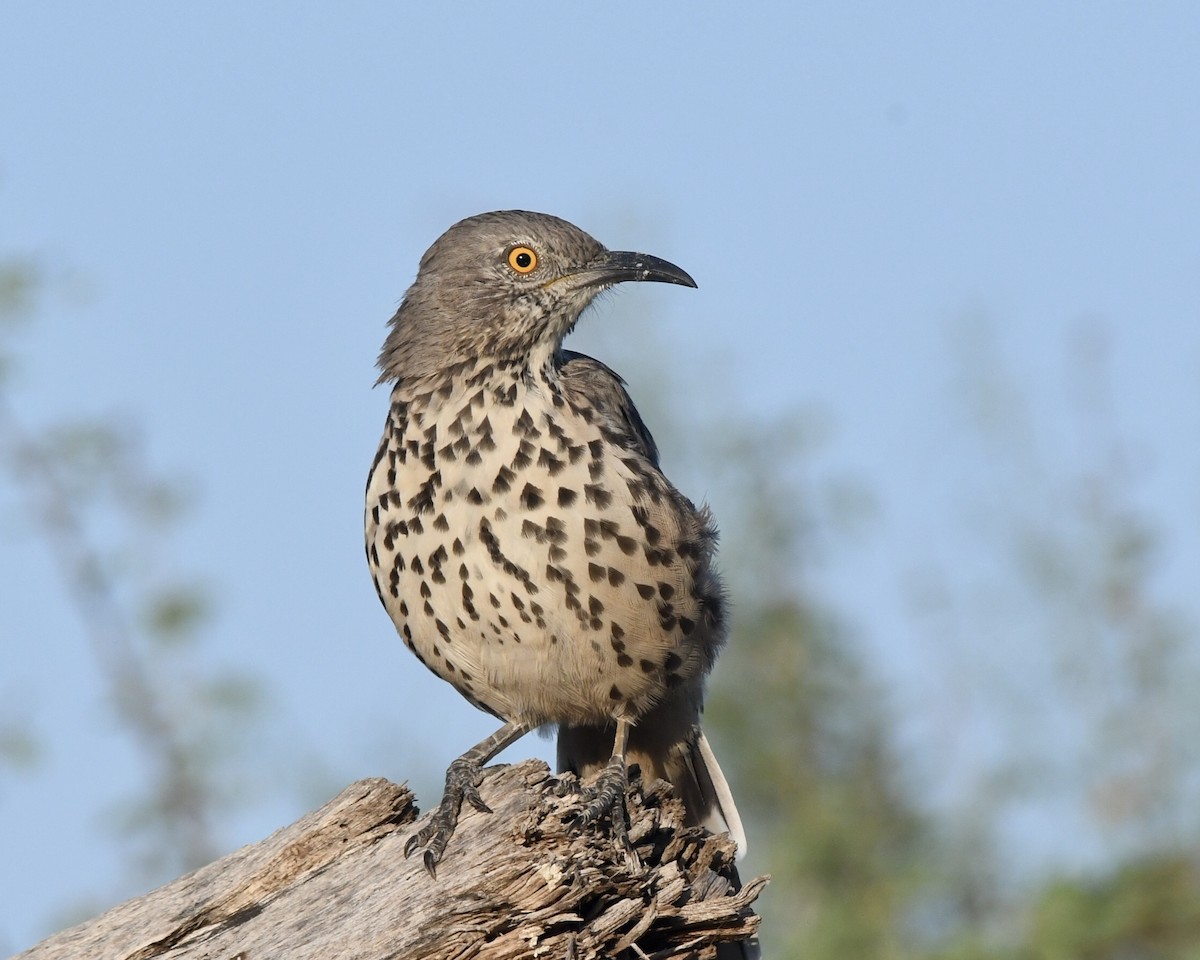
(522, 259)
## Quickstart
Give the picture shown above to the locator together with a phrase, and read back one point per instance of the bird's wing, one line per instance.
(588, 379)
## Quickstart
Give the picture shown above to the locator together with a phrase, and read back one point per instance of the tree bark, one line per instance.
(518, 882)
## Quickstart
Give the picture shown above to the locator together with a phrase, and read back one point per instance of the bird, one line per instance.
(522, 535)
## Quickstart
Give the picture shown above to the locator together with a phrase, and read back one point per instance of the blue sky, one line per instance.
(235, 196)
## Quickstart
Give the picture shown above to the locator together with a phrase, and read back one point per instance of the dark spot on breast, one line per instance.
(659, 556)
(524, 456)
(594, 493)
(525, 425)
(566, 496)
(533, 531)
(595, 572)
(482, 375)
(550, 462)
(646, 590)
(503, 481)
(484, 433)
(531, 497)
(624, 660)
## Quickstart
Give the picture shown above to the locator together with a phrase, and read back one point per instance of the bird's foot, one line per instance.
(569, 785)
(607, 797)
(462, 783)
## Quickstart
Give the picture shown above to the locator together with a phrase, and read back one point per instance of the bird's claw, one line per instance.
(607, 796)
(462, 783)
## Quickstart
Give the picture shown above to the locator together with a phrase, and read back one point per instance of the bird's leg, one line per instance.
(462, 783)
(608, 795)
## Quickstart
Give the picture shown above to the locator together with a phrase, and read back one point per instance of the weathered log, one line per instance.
(519, 882)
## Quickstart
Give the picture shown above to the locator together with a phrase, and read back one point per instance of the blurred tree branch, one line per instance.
(85, 483)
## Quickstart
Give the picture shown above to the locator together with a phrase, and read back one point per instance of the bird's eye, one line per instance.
(522, 259)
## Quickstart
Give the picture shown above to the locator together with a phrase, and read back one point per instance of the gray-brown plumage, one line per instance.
(520, 533)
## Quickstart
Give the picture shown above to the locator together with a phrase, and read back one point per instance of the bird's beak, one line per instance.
(618, 266)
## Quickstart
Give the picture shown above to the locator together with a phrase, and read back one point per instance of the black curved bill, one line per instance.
(618, 266)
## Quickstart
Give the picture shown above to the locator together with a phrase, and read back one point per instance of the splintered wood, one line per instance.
(519, 882)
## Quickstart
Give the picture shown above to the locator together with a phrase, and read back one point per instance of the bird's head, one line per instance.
(504, 286)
